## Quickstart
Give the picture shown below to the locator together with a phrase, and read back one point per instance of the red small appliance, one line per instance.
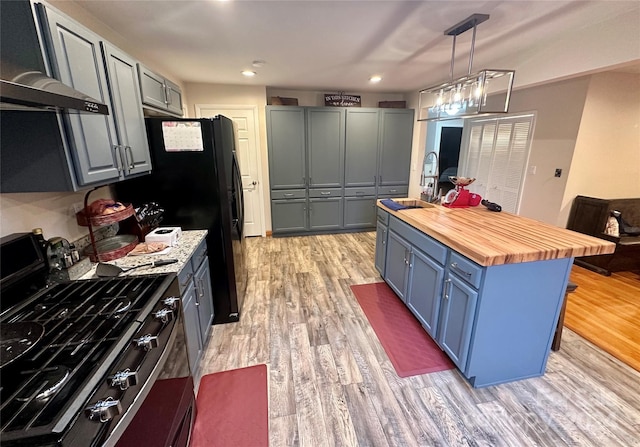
(459, 197)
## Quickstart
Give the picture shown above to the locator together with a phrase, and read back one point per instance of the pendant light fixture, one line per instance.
(484, 92)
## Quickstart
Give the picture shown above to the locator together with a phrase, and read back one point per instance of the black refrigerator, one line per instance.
(196, 179)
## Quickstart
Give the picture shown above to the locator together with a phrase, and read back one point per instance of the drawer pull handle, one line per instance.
(325, 193)
(393, 190)
(454, 265)
(288, 194)
(359, 193)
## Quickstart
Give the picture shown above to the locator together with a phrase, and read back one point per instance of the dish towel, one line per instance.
(392, 205)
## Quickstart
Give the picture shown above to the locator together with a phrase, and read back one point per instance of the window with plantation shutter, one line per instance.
(495, 152)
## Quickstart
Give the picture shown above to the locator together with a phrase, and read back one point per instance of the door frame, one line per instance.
(256, 125)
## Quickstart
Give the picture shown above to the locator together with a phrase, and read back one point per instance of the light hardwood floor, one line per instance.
(606, 311)
(331, 383)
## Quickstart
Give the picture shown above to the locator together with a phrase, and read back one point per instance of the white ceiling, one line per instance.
(339, 44)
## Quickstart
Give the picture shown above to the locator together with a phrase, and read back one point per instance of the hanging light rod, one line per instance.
(466, 24)
(485, 92)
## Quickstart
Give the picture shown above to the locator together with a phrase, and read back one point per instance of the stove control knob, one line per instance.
(123, 379)
(171, 302)
(164, 315)
(147, 342)
(104, 410)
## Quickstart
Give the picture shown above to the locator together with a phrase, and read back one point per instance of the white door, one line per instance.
(245, 119)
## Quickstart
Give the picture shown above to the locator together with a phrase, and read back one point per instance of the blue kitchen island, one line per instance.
(487, 287)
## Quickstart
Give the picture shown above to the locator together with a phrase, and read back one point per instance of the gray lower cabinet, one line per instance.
(289, 215)
(325, 213)
(359, 212)
(456, 319)
(192, 327)
(424, 290)
(397, 268)
(381, 248)
(197, 303)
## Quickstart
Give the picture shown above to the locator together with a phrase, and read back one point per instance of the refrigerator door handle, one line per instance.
(239, 194)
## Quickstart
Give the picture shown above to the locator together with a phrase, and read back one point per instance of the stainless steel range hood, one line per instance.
(33, 90)
(23, 82)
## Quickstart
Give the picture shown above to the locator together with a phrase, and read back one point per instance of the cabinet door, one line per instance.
(174, 97)
(286, 141)
(381, 248)
(397, 264)
(456, 319)
(127, 110)
(361, 149)
(325, 147)
(325, 214)
(152, 88)
(359, 212)
(425, 290)
(396, 136)
(192, 327)
(289, 215)
(76, 60)
(204, 298)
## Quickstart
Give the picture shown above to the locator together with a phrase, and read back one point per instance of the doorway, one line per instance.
(245, 120)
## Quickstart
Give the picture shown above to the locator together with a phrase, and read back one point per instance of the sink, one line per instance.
(414, 203)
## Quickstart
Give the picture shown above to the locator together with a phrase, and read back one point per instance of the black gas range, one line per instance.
(88, 363)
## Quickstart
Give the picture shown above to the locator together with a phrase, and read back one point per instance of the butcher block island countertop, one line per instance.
(495, 238)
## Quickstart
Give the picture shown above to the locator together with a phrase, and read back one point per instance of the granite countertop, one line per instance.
(183, 251)
(491, 238)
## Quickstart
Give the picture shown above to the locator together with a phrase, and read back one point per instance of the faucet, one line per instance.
(430, 163)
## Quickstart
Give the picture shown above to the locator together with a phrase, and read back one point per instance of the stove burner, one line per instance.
(58, 382)
(17, 339)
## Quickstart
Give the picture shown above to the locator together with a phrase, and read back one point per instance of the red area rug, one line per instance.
(233, 409)
(409, 347)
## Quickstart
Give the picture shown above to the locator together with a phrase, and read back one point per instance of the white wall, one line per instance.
(20, 213)
(558, 108)
(606, 160)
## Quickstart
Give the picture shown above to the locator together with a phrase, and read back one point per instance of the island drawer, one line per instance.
(288, 194)
(383, 217)
(420, 240)
(322, 193)
(466, 269)
(393, 191)
(358, 192)
(199, 254)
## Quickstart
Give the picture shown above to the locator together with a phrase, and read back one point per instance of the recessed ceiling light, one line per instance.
(375, 79)
(248, 73)
(258, 63)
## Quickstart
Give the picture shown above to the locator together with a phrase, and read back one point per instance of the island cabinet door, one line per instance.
(192, 327)
(456, 319)
(381, 248)
(397, 268)
(424, 291)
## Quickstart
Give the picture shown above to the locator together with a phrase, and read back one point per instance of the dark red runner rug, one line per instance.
(405, 341)
(233, 409)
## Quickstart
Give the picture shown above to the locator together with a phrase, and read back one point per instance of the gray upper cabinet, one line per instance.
(127, 110)
(361, 156)
(325, 146)
(159, 93)
(286, 140)
(396, 135)
(76, 59)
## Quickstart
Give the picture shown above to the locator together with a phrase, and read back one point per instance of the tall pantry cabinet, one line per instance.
(328, 165)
